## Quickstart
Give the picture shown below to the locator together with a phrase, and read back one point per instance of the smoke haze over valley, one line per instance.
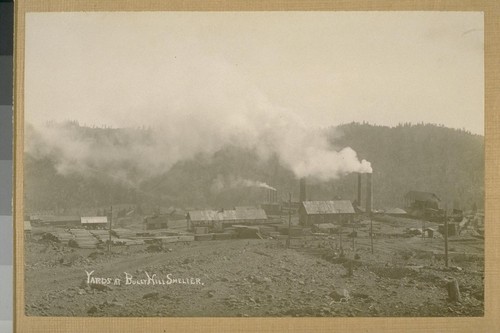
(154, 93)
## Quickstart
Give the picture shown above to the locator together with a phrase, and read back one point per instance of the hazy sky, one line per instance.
(129, 69)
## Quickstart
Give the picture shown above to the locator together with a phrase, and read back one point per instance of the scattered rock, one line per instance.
(338, 297)
(153, 295)
(92, 310)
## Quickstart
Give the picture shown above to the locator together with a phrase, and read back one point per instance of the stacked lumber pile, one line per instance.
(58, 236)
(203, 237)
(101, 235)
(126, 241)
(83, 239)
(176, 239)
(123, 233)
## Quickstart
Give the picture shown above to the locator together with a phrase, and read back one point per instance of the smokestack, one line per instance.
(302, 190)
(359, 189)
(272, 195)
(369, 193)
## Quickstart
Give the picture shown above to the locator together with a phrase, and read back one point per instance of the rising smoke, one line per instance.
(135, 155)
(231, 182)
(200, 114)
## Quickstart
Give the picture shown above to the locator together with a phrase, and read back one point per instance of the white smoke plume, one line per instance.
(231, 182)
(200, 114)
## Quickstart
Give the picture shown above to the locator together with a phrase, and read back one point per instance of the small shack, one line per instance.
(94, 222)
(27, 229)
(156, 222)
(318, 212)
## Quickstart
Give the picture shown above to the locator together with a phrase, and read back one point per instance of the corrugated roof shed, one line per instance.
(205, 215)
(54, 218)
(328, 207)
(94, 219)
(421, 196)
(240, 213)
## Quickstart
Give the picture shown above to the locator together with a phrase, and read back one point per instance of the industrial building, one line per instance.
(156, 222)
(424, 205)
(320, 212)
(218, 219)
(421, 200)
(272, 206)
(94, 222)
(55, 221)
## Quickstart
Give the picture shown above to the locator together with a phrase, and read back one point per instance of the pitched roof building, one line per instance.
(314, 212)
(217, 219)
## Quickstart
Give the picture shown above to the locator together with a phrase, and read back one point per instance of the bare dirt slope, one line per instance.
(404, 277)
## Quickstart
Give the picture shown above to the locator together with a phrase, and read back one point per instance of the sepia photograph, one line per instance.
(254, 164)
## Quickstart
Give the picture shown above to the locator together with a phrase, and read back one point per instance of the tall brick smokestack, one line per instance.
(359, 190)
(302, 190)
(369, 193)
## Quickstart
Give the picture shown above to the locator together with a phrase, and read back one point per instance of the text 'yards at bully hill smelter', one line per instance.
(148, 280)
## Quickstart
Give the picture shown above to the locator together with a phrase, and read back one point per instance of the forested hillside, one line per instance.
(424, 157)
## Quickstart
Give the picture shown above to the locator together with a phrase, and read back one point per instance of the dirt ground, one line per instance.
(405, 276)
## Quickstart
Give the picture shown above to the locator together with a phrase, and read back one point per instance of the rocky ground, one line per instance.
(405, 276)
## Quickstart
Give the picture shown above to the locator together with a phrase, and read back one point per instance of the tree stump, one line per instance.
(453, 290)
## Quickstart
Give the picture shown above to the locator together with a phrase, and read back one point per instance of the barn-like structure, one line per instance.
(318, 212)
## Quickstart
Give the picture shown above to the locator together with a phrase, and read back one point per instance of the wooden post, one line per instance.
(289, 220)
(340, 238)
(453, 290)
(446, 238)
(359, 190)
(423, 228)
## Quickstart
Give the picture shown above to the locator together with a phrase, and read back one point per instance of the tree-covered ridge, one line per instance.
(424, 157)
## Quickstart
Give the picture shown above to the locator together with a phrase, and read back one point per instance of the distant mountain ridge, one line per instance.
(424, 157)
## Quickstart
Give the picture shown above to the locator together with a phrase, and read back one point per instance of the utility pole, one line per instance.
(289, 220)
(340, 239)
(340, 234)
(353, 237)
(446, 237)
(110, 223)
(371, 231)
